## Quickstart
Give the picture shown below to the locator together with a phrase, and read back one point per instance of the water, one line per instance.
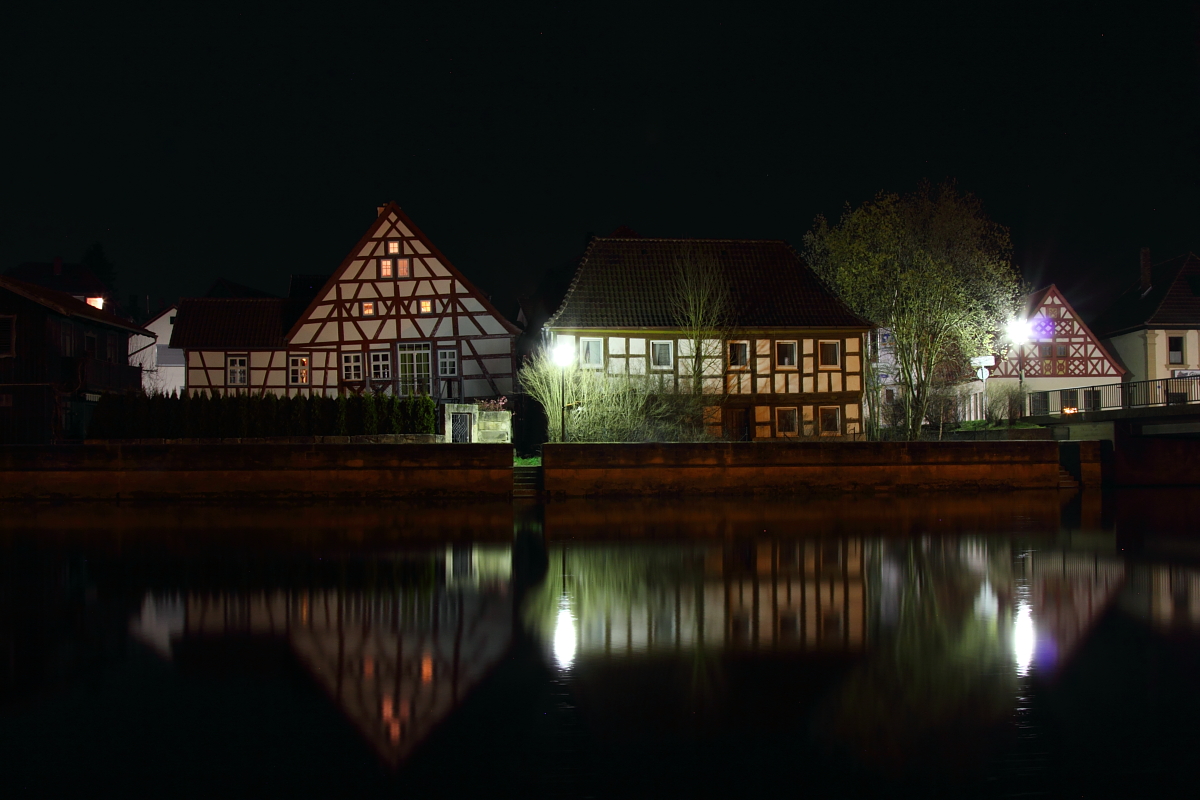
(997, 645)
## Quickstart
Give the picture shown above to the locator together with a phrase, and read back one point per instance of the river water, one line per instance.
(989, 645)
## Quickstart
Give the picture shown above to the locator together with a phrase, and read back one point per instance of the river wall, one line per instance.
(595, 469)
(253, 471)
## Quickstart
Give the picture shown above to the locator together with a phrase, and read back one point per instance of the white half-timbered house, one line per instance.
(789, 364)
(396, 316)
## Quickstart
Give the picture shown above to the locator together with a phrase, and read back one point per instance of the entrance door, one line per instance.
(460, 427)
(737, 424)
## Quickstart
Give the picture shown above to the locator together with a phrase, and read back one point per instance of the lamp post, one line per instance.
(564, 354)
(1019, 332)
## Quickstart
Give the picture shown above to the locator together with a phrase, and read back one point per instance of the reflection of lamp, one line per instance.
(1023, 637)
(564, 354)
(564, 636)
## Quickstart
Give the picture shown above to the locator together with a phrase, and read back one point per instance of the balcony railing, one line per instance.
(1115, 396)
(89, 374)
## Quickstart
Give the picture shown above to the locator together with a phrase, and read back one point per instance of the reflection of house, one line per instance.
(1166, 596)
(1154, 326)
(791, 360)
(162, 365)
(57, 356)
(770, 595)
(396, 316)
(1069, 590)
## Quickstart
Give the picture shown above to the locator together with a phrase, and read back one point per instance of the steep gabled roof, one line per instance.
(67, 306)
(391, 217)
(230, 323)
(629, 283)
(1173, 300)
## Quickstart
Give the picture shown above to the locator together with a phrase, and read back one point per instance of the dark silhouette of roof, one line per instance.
(65, 305)
(77, 280)
(231, 323)
(223, 287)
(629, 283)
(1173, 300)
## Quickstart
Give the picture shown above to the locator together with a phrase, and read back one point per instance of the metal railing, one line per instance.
(1114, 396)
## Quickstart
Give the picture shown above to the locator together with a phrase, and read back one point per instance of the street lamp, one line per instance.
(1020, 331)
(564, 354)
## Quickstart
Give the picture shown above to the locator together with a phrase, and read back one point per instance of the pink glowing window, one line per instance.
(402, 268)
(368, 309)
(385, 268)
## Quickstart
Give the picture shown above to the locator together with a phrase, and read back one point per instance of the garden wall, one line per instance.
(632, 469)
(224, 471)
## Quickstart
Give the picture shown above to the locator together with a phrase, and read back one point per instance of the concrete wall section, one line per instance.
(591, 469)
(1156, 461)
(253, 471)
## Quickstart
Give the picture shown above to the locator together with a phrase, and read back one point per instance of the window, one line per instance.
(298, 370)
(831, 421)
(172, 321)
(1043, 351)
(660, 355)
(111, 348)
(393, 247)
(1060, 351)
(66, 342)
(448, 363)
(591, 353)
(381, 366)
(89, 344)
(1174, 349)
(368, 308)
(236, 373)
(8, 336)
(426, 306)
(785, 355)
(352, 366)
(830, 354)
(787, 422)
(96, 302)
(385, 267)
(401, 267)
(413, 366)
(889, 396)
(1068, 401)
(739, 355)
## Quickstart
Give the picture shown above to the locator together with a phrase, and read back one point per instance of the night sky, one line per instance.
(195, 143)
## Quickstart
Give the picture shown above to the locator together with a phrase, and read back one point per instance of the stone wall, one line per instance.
(632, 469)
(225, 471)
(1156, 461)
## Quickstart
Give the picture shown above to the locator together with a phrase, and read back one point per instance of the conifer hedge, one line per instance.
(205, 416)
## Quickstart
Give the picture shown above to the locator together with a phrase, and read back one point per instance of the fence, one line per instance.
(1115, 396)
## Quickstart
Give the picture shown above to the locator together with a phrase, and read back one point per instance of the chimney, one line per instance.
(58, 265)
(1145, 273)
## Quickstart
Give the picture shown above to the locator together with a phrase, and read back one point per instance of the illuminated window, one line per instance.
(739, 355)
(660, 355)
(787, 421)
(381, 366)
(368, 308)
(785, 355)
(591, 353)
(447, 363)
(426, 306)
(830, 355)
(385, 267)
(831, 421)
(236, 372)
(401, 267)
(352, 366)
(96, 302)
(393, 247)
(298, 370)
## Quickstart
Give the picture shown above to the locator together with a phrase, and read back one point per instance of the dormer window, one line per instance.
(393, 247)
(385, 267)
(368, 308)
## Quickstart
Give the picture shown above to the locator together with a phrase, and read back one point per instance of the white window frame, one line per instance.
(837, 410)
(1182, 347)
(779, 431)
(237, 370)
(299, 370)
(729, 354)
(352, 366)
(447, 361)
(381, 365)
(795, 354)
(599, 362)
(838, 360)
(414, 367)
(670, 365)
(366, 308)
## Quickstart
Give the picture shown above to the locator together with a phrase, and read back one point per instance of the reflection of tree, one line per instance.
(944, 674)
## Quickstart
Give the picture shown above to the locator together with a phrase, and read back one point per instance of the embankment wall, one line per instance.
(1155, 461)
(145, 471)
(593, 469)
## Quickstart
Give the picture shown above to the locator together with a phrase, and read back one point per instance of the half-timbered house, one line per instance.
(395, 316)
(790, 359)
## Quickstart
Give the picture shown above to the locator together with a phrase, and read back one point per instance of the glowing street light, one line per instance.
(563, 355)
(1020, 331)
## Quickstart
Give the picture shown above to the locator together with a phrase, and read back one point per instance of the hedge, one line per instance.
(204, 416)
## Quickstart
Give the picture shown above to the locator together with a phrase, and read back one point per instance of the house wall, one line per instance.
(762, 387)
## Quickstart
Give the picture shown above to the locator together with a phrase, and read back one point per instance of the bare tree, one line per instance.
(700, 306)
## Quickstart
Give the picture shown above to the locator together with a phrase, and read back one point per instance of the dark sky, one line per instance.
(195, 143)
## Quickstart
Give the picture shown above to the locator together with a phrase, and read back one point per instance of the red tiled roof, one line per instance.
(1172, 302)
(628, 283)
(229, 323)
(68, 306)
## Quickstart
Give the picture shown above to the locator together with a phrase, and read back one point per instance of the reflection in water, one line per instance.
(1023, 637)
(1168, 597)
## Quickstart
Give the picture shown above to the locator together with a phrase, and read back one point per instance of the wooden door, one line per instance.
(737, 424)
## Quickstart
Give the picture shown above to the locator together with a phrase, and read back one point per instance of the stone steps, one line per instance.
(527, 481)
(1066, 480)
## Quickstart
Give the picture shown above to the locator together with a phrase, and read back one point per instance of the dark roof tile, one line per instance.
(68, 306)
(230, 323)
(1172, 302)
